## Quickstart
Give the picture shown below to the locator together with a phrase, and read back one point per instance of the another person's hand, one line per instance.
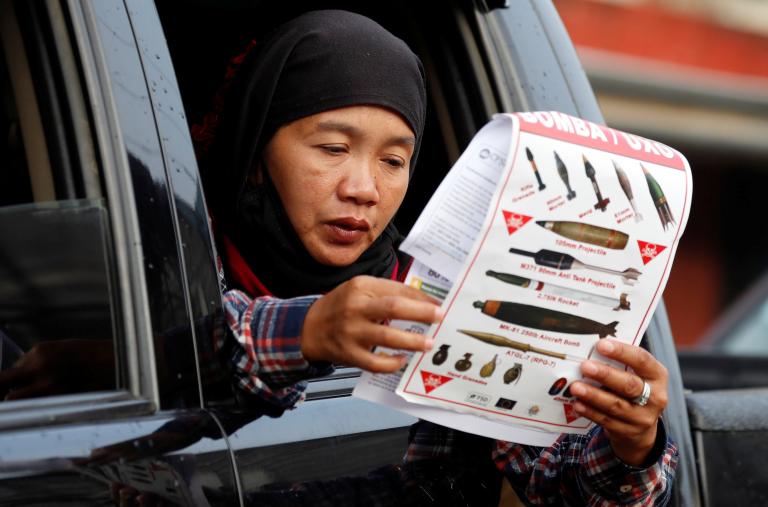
(59, 367)
(630, 427)
(345, 324)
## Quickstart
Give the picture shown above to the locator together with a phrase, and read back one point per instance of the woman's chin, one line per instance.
(337, 255)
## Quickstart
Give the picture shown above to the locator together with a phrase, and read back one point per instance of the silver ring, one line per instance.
(642, 400)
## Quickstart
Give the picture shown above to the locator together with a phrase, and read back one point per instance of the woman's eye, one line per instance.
(395, 162)
(334, 149)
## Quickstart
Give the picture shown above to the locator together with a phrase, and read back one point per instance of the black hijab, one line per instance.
(316, 62)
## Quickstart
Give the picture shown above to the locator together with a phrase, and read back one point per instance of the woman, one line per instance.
(317, 141)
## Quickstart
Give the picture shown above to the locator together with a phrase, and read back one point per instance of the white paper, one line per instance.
(561, 289)
(380, 388)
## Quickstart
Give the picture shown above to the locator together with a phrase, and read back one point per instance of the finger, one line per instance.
(399, 339)
(380, 287)
(400, 308)
(614, 406)
(607, 421)
(375, 362)
(637, 358)
(623, 383)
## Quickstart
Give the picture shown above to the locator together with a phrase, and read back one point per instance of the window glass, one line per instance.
(56, 316)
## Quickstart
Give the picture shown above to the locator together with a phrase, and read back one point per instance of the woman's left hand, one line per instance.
(630, 427)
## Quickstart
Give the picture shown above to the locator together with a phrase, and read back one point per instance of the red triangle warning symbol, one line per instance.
(514, 221)
(649, 251)
(570, 414)
(433, 380)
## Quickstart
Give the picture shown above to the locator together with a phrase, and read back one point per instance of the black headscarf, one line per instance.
(316, 62)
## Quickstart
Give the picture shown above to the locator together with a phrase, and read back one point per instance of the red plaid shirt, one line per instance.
(262, 341)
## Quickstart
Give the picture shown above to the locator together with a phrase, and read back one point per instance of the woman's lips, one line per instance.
(347, 231)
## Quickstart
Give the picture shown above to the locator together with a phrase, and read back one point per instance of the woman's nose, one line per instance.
(359, 183)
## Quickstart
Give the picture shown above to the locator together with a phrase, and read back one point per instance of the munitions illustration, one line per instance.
(586, 233)
(441, 355)
(563, 261)
(488, 368)
(500, 341)
(622, 303)
(513, 374)
(659, 199)
(602, 202)
(529, 154)
(627, 188)
(557, 386)
(563, 172)
(464, 364)
(544, 319)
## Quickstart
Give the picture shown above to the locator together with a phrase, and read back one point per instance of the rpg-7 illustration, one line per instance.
(627, 188)
(659, 199)
(563, 261)
(544, 319)
(500, 341)
(563, 172)
(529, 154)
(622, 303)
(586, 233)
(602, 202)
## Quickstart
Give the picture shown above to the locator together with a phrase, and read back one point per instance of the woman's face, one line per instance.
(341, 176)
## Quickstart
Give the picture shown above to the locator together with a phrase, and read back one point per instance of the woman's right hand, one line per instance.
(344, 325)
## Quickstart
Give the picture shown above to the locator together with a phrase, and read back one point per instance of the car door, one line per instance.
(102, 219)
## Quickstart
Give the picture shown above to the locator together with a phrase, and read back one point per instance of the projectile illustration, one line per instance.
(563, 172)
(513, 374)
(602, 202)
(441, 355)
(592, 234)
(627, 188)
(528, 154)
(500, 341)
(557, 386)
(464, 364)
(622, 303)
(563, 261)
(659, 199)
(544, 318)
(488, 368)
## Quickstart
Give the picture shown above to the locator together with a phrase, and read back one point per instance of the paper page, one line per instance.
(449, 225)
(380, 388)
(577, 246)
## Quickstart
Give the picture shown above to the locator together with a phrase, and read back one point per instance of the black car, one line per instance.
(108, 270)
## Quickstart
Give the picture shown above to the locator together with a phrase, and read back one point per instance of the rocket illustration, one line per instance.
(563, 261)
(627, 188)
(659, 199)
(563, 172)
(544, 318)
(601, 203)
(620, 303)
(592, 234)
(528, 154)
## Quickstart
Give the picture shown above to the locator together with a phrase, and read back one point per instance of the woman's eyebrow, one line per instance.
(351, 130)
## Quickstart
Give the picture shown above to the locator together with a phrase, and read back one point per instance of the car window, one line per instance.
(56, 292)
